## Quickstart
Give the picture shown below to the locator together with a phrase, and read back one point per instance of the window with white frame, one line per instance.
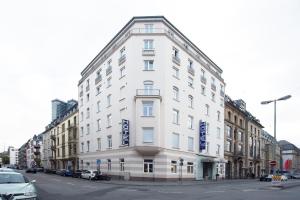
(98, 89)
(176, 72)
(190, 167)
(148, 166)
(148, 87)
(190, 64)
(190, 81)
(175, 93)
(122, 52)
(98, 106)
(175, 140)
(88, 146)
(81, 101)
(148, 28)
(190, 122)
(147, 108)
(222, 102)
(81, 131)
(175, 53)
(148, 133)
(109, 141)
(228, 131)
(87, 97)
(122, 72)
(207, 109)
(148, 44)
(190, 101)
(148, 65)
(190, 143)
(88, 113)
(240, 136)
(218, 115)
(203, 90)
(174, 166)
(109, 164)
(213, 96)
(218, 132)
(108, 100)
(218, 149)
(81, 116)
(88, 129)
(122, 165)
(207, 128)
(82, 147)
(98, 124)
(109, 82)
(202, 73)
(109, 120)
(228, 145)
(175, 116)
(122, 93)
(99, 144)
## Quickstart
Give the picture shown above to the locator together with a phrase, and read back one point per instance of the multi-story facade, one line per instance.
(235, 138)
(47, 153)
(290, 155)
(13, 155)
(142, 100)
(270, 154)
(23, 155)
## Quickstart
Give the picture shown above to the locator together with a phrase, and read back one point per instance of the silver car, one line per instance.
(15, 186)
(6, 170)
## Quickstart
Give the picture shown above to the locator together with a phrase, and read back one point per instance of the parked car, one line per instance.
(89, 174)
(267, 178)
(12, 183)
(31, 170)
(67, 173)
(296, 176)
(60, 172)
(77, 173)
(6, 170)
(102, 176)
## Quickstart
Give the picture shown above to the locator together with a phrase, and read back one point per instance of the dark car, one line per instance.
(77, 174)
(102, 176)
(31, 170)
(67, 173)
(60, 172)
(267, 178)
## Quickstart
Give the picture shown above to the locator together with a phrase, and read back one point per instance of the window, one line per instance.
(148, 65)
(122, 95)
(81, 131)
(229, 115)
(190, 167)
(240, 148)
(98, 73)
(148, 28)
(98, 106)
(122, 72)
(148, 108)
(207, 147)
(190, 122)
(176, 72)
(98, 89)
(222, 102)
(228, 131)
(148, 166)
(148, 135)
(109, 120)
(213, 95)
(218, 116)
(99, 144)
(81, 116)
(81, 101)
(207, 128)
(148, 44)
(203, 90)
(175, 116)
(87, 97)
(109, 82)
(148, 87)
(88, 129)
(108, 100)
(190, 64)
(202, 73)
(109, 164)
(88, 146)
(190, 82)
(175, 53)
(82, 146)
(109, 141)
(122, 165)
(228, 145)
(174, 166)
(88, 113)
(190, 99)
(240, 136)
(218, 132)
(207, 109)
(190, 143)
(175, 93)
(175, 140)
(241, 123)
(218, 149)
(98, 124)
(122, 52)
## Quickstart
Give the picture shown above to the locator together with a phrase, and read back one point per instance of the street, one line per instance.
(58, 187)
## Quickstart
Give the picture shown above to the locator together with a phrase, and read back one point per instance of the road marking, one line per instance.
(250, 190)
(128, 190)
(70, 183)
(169, 192)
(215, 191)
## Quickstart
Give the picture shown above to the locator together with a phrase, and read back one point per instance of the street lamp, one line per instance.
(270, 101)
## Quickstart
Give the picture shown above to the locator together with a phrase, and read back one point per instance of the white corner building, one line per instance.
(141, 102)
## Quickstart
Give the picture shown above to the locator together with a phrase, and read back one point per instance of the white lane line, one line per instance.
(70, 183)
(250, 190)
(169, 192)
(128, 190)
(215, 191)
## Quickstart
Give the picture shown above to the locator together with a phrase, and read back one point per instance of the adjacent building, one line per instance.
(290, 156)
(144, 102)
(13, 155)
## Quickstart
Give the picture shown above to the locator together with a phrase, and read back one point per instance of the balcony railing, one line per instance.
(213, 87)
(148, 52)
(203, 80)
(191, 70)
(122, 59)
(98, 79)
(108, 70)
(147, 92)
(176, 59)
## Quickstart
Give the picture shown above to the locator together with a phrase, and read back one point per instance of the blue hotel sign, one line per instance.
(202, 135)
(125, 132)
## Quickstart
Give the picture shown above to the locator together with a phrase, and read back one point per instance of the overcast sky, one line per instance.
(44, 46)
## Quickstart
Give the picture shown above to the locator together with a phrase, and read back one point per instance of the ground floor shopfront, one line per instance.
(140, 163)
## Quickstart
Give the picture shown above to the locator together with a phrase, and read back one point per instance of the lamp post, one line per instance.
(270, 101)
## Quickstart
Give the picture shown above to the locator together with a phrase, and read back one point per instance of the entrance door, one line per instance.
(207, 170)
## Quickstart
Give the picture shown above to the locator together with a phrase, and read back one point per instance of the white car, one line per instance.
(89, 174)
(6, 170)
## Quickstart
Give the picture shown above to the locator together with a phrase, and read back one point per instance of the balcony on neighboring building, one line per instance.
(203, 80)
(191, 70)
(148, 52)
(176, 60)
(148, 93)
(108, 70)
(122, 59)
(213, 87)
(98, 79)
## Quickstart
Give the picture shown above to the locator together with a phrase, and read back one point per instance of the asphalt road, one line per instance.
(63, 188)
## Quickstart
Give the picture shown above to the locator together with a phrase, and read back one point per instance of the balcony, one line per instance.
(203, 80)
(72, 126)
(148, 52)
(191, 70)
(176, 60)
(108, 70)
(87, 88)
(98, 79)
(148, 150)
(148, 93)
(122, 59)
(37, 153)
(37, 146)
(72, 139)
(53, 137)
(213, 87)
(53, 147)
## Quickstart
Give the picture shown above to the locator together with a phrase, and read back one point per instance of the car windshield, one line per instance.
(11, 178)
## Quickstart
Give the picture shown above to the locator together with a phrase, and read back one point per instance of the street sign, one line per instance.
(273, 162)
